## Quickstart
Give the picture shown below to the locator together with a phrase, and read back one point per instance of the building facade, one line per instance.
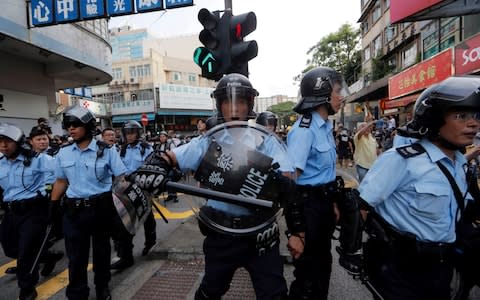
(37, 62)
(155, 77)
(400, 60)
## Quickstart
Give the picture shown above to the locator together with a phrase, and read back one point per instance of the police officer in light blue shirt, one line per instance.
(84, 172)
(311, 146)
(410, 192)
(23, 180)
(133, 154)
(227, 247)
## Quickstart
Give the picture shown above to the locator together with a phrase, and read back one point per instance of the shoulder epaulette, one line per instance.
(412, 150)
(305, 121)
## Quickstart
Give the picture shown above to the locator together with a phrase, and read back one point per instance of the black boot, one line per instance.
(123, 263)
(27, 294)
(103, 293)
(148, 245)
(11, 271)
(51, 259)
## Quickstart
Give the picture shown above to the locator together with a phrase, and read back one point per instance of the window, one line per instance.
(366, 53)
(409, 56)
(386, 4)
(192, 78)
(177, 76)
(132, 71)
(117, 73)
(146, 70)
(376, 14)
(377, 46)
(364, 27)
(390, 33)
(140, 71)
(392, 62)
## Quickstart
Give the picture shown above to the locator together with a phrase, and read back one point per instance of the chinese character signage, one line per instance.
(467, 56)
(51, 12)
(42, 12)
(132, 107)
(177, 3)
(66, 10)
(90, 9)
(421, 75)
(148, 5)
(119, 7)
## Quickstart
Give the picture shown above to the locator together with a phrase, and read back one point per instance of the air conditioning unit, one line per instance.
(404, 35)
(115, 82)
(132, 80)
(412, 30)
(124, 81)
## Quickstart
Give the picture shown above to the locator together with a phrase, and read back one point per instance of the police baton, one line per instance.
(49, 229)
(221, 196)
(159, 211)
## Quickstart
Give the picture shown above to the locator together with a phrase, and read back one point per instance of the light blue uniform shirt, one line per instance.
(413, 195)
(87, 175)
(190, 155)
(313, 151)
(133, 158)
(399, 140)
(21, 182)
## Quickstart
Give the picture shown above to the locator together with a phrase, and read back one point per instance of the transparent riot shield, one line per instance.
(249, 163)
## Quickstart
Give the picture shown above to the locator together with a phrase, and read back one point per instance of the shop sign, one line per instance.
(467, 56)
(133, 107)
(421, 75)
(401, 9)
(98, 109)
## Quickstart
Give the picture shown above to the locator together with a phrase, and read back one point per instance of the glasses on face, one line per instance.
(74, 124)
(466, 116)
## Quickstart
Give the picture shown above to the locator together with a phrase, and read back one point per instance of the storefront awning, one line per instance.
(185, 113)
(376, 90)
(401, 102)
(135, 117)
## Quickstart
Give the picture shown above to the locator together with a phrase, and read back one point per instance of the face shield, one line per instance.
(235, 103)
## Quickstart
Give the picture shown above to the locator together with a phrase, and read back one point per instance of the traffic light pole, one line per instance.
(228, 5)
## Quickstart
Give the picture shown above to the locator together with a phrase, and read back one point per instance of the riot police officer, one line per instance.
(268, 119)
(417, 210)
(84, 172)
(311, 146)
(236, 236)
(23, 181)
(133, 154)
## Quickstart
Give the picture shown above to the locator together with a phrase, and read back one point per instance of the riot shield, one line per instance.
(131, 204)
(244, 160)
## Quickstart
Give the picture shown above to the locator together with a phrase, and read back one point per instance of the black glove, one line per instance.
(54, 212)
(152, 176)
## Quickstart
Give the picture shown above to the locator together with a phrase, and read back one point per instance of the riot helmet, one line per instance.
(131, 127)
(454, 93)
(78, 116)
(316, 89)
(267, 119)
(12, 132)
(234, 88)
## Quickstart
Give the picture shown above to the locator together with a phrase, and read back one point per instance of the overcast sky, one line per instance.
(285, 32)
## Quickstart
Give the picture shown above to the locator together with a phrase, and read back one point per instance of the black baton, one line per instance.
(206, 193)
(49, 228)
(159, 211)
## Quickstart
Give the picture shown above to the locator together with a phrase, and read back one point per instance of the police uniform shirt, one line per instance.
(312, 150)
(399, 140)
(87, 174)
(133, 158)
(190, 155)
(413, 195)
(22, 182)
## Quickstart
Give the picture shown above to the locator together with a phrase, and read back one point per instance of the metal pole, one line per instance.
(47, 233)
(228, 5)
(211, 194)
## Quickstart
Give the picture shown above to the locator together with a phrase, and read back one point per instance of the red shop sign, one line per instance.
(467, 56)
(421, 75)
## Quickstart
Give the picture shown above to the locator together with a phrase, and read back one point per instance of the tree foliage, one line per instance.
(284, 111)
(340, 50)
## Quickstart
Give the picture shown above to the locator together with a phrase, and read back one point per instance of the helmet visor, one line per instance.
(235, 103)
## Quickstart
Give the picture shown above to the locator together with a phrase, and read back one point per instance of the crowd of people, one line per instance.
(415, 193)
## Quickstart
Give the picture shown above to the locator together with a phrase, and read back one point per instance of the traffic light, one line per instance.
(215, 36)
(242, 51)
(225, 50)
